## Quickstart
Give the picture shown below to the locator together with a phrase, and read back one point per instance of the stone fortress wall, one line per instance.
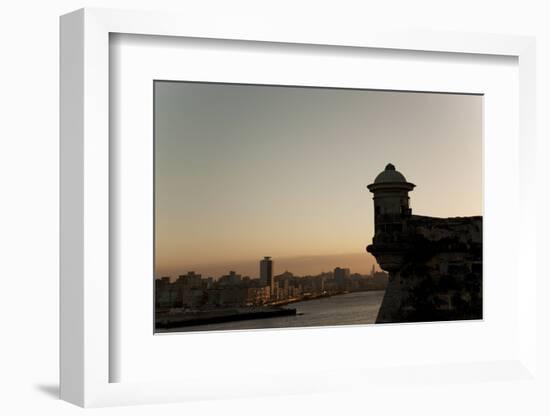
(434, 264)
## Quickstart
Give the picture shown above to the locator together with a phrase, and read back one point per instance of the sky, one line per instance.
(247, 171)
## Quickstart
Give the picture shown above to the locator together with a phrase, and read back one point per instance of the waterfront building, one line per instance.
(209, 282)
(233, 296)
(191, 280)
(231, 279)
(266, 272)
(258, 295)
(341, 278)
(191, 298)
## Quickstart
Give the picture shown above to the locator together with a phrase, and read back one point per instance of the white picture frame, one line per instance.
(85, 211)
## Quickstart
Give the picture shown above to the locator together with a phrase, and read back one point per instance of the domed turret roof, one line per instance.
(390, 175)
(390, 180)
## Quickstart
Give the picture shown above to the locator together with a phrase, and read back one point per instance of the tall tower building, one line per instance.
(266, 272)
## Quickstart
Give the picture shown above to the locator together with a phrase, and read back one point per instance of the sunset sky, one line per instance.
(243, 172)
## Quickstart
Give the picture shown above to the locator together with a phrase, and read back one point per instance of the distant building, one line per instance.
(233, 296)
(258, 295)
(341, 276)
(162, 292)
(191, 280)
(266, 272)
(231, 279)
(162, 283)
(209, 282)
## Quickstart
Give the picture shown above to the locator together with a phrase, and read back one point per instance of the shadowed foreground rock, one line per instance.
(434, 264)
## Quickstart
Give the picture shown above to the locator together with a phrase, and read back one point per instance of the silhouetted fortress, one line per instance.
(434, 264)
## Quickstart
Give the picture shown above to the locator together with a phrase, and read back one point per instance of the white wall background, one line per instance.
(29, 206)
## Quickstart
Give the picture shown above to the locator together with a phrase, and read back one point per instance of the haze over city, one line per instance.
(243, 172)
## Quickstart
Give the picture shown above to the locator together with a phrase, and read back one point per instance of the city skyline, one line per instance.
(243, 170)
(192, 300)
(257, 274)
(300, 266)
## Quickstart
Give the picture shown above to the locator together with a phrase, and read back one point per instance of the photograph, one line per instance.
(279, 206)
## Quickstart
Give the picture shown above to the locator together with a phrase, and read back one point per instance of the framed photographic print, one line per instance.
(262, 211)
(247, 170)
